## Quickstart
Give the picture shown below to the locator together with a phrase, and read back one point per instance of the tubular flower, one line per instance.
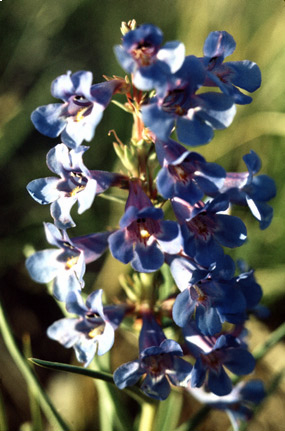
(212, 297)
(75, 119)
(142, 55)
(186, 174)
(212, 354)
(238, 404)
(244, 188)
(76, 184)
(195, 116)
(205, 230)
(230, 75)
(93, 331)
(143, 237)
(65, 265)
(159, 359)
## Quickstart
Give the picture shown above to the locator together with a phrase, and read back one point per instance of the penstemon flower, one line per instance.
(93, 331)
(66, 264)
(160, 360)
(186, 174)
(179, 281)
(195, 116)
(76, 184)
(212, 354)
(143, 236)
(230, 75)
(142, 55)
(75, 119)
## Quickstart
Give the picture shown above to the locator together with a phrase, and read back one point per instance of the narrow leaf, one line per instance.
(133, 392)
(107, 377)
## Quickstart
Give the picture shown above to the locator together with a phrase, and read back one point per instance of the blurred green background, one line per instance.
(42, 40)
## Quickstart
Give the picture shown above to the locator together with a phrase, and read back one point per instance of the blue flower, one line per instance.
(229, 75)
(238, 404)
(204, 230)
(82, 110)
(182, 268)
(185, 174)
(76, 184)
(141, 55)
(143, 237)
(245, 188)
(250, 289)
(159, 359)
(93, 331)
(195, 116)
(212, 297)
(65, 265)
(211, 357)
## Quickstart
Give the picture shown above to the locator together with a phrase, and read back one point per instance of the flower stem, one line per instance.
(273, 339)
(147, 417)
(31, 380)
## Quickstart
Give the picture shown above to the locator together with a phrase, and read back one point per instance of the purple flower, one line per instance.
(229, 75)
(238, 404)
(245, 188)
(159, 359)
(182, 268)
(195, 116)
(212, 297)
(205, 230)
(250, 289)
(141, 55)
(82, 110)
(76, 184)
(65, 265)
(93, 331)
(212, 354)
(185, 174)
(143, 237)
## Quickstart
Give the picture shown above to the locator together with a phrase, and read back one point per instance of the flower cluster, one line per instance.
(169, 95)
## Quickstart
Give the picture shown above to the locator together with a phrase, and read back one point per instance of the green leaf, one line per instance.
(169, 411)
(133, 392)
(113, 413)
(48, 408)
(102, 375)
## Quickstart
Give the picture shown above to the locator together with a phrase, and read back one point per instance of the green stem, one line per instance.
(112, 198)
(36, 417)
(3, 418)
(147, 417)
(31, 380)
(273, 339)
(120, 105)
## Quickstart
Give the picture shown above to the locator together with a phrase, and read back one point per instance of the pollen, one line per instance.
(71, 261)
(179, 111)
(201, 295)
(144, 233)
(80, 114)
(76, 190)
(96, 331)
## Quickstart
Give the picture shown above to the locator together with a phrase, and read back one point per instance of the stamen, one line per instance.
(71, 261)
(80, 114)
(144, 233)
(95, 332)
(76, 190)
